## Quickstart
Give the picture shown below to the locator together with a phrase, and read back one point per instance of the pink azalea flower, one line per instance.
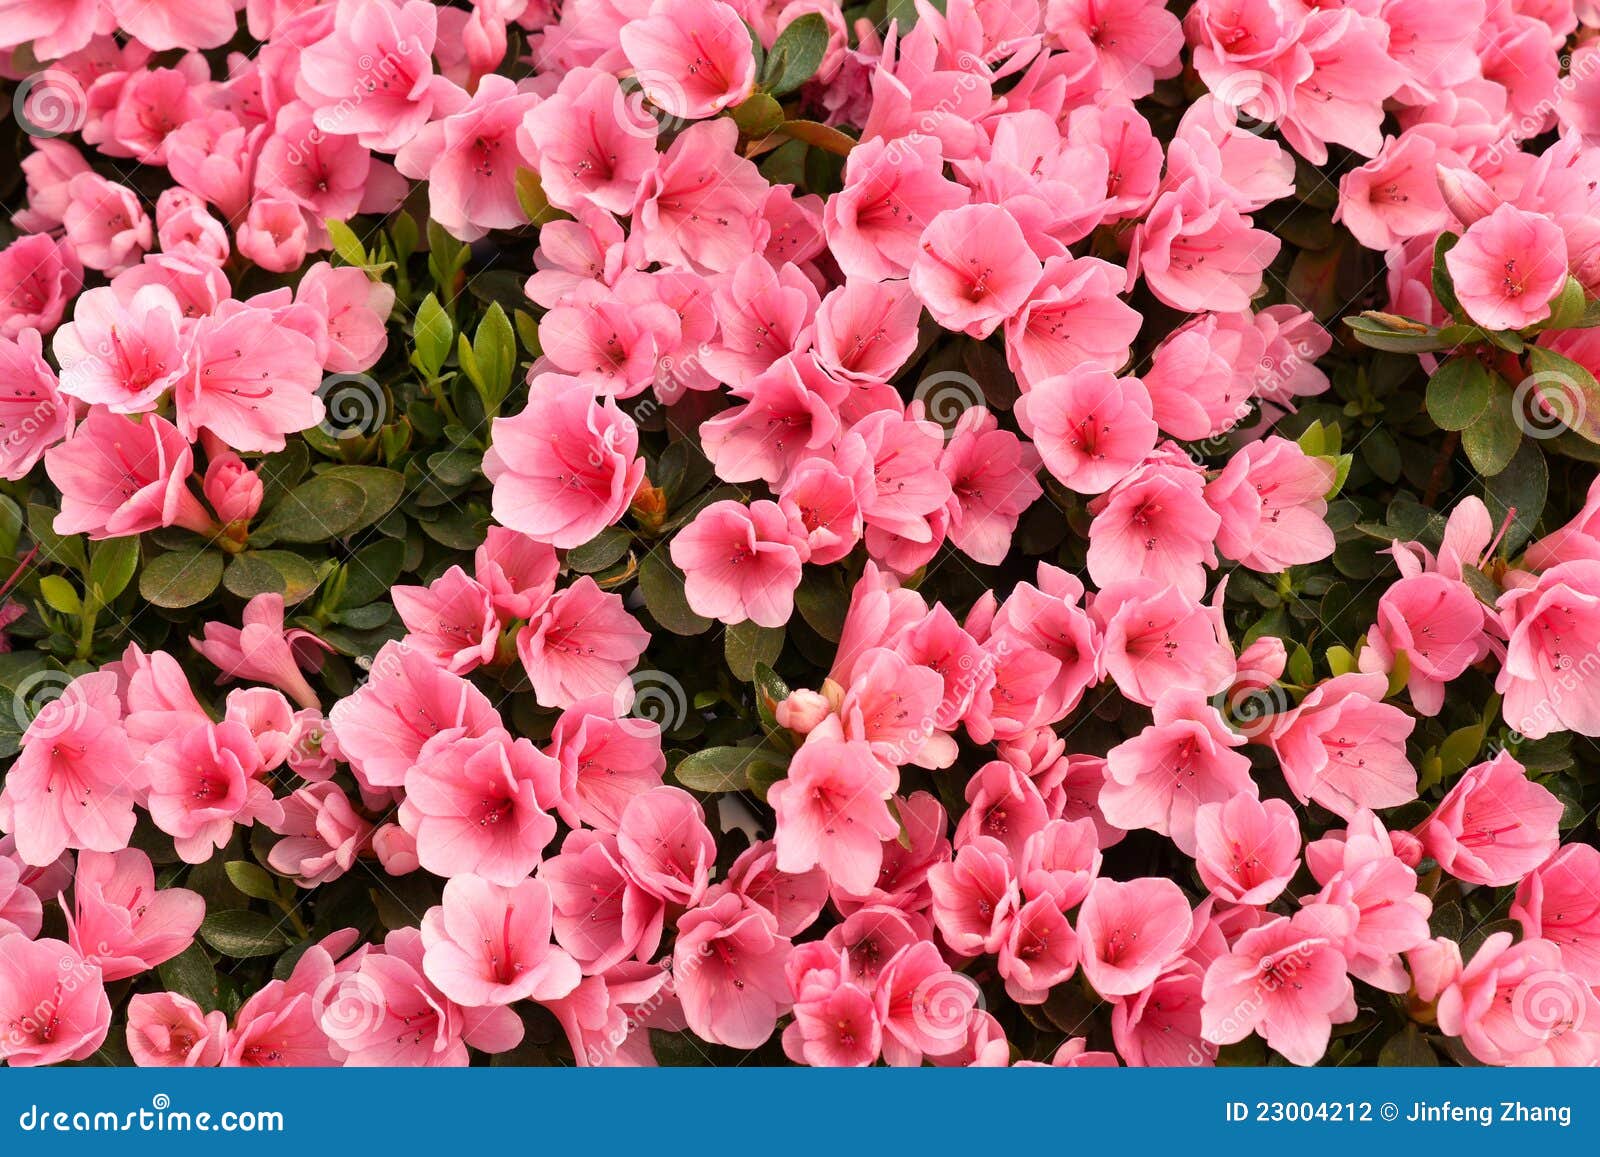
(120, 476)
(831, 809)
(453, 619)
(892, 192)
(1246, 849)
(1130, 932)
(974, 269)
(605, 761)
(866, 330)
(582, 643)
(601, 915)
(1090, 427)
(470, 159)
(261, 650)
(322, 835)
(382, 52)
(593, 147)
(1557, 901)
(1515, 1004)
(1438, 624)
(357, 312)
(1196, 252)
(73, 783)
(1135, 41)
(788, 410)
(1072, 316)
(728, 962)
(489, 945)
(700, 206)
(1508, 267)
(168, 1030)
(992, 481)
(891, 704)
(121, 921)
(250, 381)
(407, 700)
(1156, 638)
(665, 845)
(1285, 980)
(1494, 826)
(34, 415)
(41, 275)
(692, 57)
(479, 805)
(122, 355)
(1160, 1026)
(204, 782)
(106, 225)
(740, 562)
(519, 572)
(762, 314)
(1344, 748)
(565, 468)
(1271, 501)
(1161, 777)
(1040, 951)
(1395, 196)
(1155, 524)
(1549, 624)
(52, 1003)
(794, 899)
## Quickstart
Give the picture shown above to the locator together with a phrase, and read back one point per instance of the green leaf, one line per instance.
(1568, 308)
(432, 335)
(345, 243)
(719, 769)
(371, 571)
(600, 551)
(190, 974)
(1444, 286)
(252, 879)
(63, 549)
(819, 136)
(757, 117)
(1494, 437)
(823, 602)
(1460, 749)
(1568, 391)
(1299, 667)
(1380, 332)
(795, 56)
(112, 563)
(1459, 392)
(60, 595)
(770, 691)
(1408, 1048)
(747, 646)
(531, 196)
(1522, 486)
(322, 508)
(494, 356)
(180, 579)
(242, 934)
(661, 583)
(262, 572)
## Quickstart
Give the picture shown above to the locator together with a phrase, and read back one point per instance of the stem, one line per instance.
(1440, 464)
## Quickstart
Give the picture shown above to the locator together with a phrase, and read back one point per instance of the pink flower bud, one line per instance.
(233, 489)
(802, 711)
